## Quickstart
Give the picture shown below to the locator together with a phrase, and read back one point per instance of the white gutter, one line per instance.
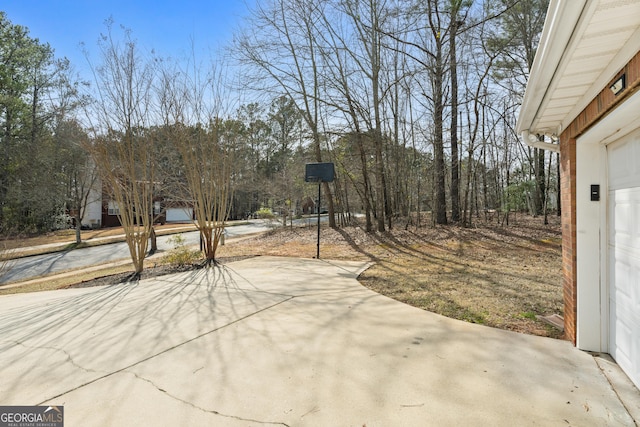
(533, 141)
(561, 21)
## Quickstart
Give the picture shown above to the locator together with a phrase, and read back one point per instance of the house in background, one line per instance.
(178, 210)
(92, 215)
(101, 211)
(164, 210)
(583, 95)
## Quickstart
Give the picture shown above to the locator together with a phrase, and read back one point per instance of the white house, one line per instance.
(92, 215)
(583, 96)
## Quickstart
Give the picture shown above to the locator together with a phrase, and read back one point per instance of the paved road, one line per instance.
(39, 265)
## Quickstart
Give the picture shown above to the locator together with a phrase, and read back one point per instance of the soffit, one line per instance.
(604, 36)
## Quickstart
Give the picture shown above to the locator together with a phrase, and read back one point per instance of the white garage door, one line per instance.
(179, 214)
(624, 254)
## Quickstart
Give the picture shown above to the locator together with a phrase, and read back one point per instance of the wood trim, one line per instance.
(606, 101)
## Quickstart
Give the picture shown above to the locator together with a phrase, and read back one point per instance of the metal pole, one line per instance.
(319, 195)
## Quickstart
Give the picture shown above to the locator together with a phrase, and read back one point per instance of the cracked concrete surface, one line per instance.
(227, 416)
(283, 342)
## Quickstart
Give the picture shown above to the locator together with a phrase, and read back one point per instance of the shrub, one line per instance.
(181, 255)
(265, 213)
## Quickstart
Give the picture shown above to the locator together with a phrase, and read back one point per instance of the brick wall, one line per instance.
(568, 202)
(604, 102)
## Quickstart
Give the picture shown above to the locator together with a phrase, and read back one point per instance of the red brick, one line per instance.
(604, 102)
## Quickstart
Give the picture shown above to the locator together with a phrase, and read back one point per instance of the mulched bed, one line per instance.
(149, 272)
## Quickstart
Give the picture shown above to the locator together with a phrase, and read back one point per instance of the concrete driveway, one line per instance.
(279, 341)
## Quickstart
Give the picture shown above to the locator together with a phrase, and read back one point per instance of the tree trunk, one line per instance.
(438, 146)
(438, 143)
(154, 241)
(78, 228)
(540, 188)
(455, 173)
(380, 199)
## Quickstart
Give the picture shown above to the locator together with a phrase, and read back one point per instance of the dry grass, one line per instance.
(6, 261)
(475, 278)
(69, 236)
(66, 281)
(497, 276)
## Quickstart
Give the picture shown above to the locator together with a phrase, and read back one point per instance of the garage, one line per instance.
(623, 247)
(583, 100)
(182, 214)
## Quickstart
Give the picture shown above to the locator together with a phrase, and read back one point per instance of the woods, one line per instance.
(414, 102)
(418, 103)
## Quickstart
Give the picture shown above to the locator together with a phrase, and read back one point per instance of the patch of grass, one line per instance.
(471, 317)
(494, 285)
(552, 241)
(5, 259)
(62, 282)
(74, 245)
(528, 315)
(450, 308)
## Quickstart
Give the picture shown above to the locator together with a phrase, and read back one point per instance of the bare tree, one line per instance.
(430, 31)
(456, 22)
(360, 77)
(281, 48)
(517, 40)
(208, 158)
(367, 19)
(80, 171)
(122, 149)
(192, 105)
(341, 97)
(71, 141)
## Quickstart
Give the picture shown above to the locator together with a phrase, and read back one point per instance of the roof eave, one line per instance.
(559, 29)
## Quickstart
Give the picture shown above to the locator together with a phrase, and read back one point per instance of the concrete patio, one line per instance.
(280, 341)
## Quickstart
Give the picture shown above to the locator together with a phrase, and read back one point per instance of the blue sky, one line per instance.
(166, 26)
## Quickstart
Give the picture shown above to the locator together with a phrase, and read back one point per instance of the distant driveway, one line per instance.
(39, 265)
